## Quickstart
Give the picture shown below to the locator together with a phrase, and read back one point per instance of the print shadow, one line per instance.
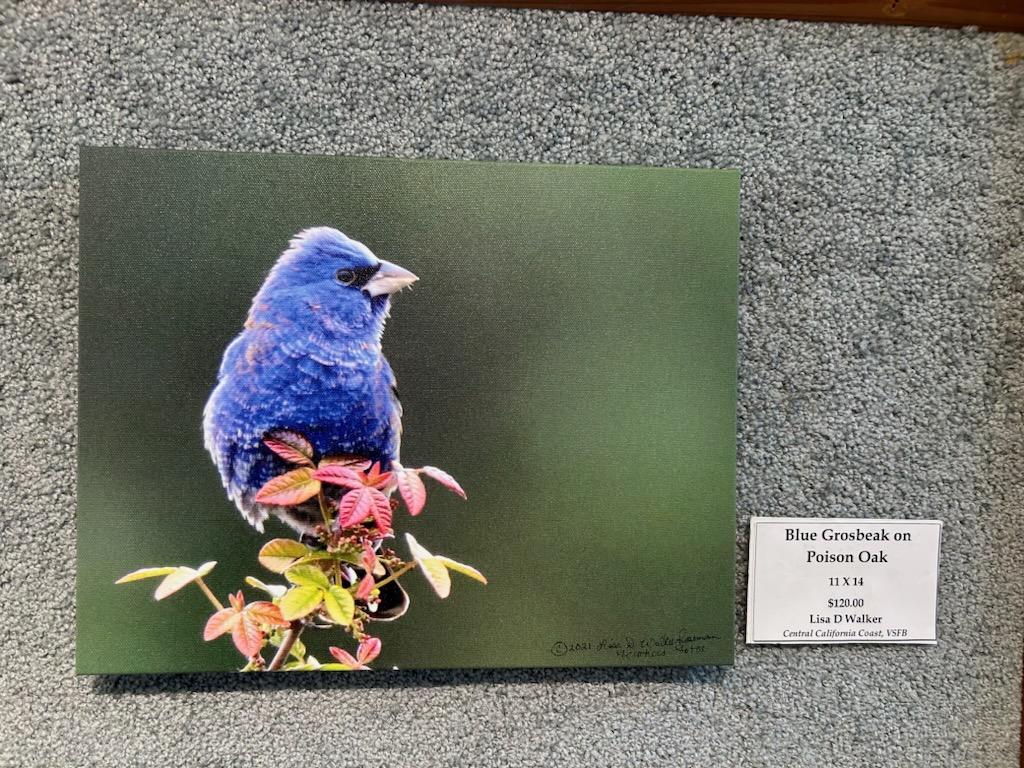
(145, 685)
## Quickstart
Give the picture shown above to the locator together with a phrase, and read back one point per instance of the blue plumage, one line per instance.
(309, 360)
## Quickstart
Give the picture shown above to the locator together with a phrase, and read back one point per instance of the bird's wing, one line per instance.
(396, 420)
(386, 389)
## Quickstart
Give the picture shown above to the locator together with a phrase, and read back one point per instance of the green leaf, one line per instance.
(298, 650)
(465, 570)
(432, 567)
(291, 446)
(313, 557)
(274, 590)
(300, 601)
(180, 577)
(303, 665)
(307, 576)
(289, 489)
(437, 575)
(332, 667)
(146, 573)
(277, 555)
(339, 605)
(349, 554)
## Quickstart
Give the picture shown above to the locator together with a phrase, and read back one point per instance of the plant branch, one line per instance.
(209, 594)
(324, 508)
(286, 645)
(396, 575)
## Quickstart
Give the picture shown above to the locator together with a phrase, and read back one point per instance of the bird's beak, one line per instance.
(390, 278)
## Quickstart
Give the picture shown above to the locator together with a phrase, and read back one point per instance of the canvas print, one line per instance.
(344, 414)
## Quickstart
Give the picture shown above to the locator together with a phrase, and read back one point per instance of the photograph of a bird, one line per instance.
(310, 360)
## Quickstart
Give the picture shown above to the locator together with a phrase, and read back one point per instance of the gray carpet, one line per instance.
(880, 343)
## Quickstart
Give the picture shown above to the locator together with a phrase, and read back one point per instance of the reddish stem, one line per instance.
(286, 645)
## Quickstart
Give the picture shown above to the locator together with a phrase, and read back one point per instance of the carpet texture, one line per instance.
(881, 318)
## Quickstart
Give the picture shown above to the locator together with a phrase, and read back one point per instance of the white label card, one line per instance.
(821, 580)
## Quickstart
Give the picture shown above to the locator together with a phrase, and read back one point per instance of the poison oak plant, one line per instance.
(341, 579)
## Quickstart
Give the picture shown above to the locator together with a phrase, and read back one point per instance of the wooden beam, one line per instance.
(986, 14)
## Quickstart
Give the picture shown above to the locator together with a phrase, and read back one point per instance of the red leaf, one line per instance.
(222, 621)
(345, 460)
(355, 506)
(414, 492)
(344, 656)
(340, 474)
(365, 587)
(369, 559)
(368, 650)
(290, 446)
(247, 636)
(370, 564)
(265, 612)
(444, 479)
(376, 478)
(381, 510)
(289, 489)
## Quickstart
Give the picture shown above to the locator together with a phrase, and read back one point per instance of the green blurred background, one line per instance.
(568, 354)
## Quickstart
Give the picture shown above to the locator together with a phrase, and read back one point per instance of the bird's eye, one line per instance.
(345, 276)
